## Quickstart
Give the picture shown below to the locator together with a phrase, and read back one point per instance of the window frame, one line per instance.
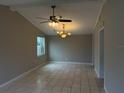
(42, 54)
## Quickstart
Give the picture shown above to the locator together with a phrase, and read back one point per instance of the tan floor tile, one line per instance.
(58, 78)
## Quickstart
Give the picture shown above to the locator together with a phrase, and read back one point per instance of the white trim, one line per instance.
(101, 29)
(12, 9)
(106, 91)
(97, 74)
(97, 19)
(70, 62)
(20, 76)
(93, 48)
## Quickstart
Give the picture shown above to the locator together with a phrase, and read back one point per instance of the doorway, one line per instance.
(101, 54)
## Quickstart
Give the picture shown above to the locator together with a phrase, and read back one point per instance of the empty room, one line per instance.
(61, 46)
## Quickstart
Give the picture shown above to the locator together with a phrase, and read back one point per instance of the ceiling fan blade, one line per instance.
(42, 18)
(65, 20)
(44, 22)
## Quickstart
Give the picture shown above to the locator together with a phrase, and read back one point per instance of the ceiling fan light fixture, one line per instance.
(69, 33)
(57, 32)
(53, 18)
(53, 24)
(63, 34)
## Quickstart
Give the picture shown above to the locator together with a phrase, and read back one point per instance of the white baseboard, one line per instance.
(70, 62)
(106, 91)
(21, 76)
(97, 74)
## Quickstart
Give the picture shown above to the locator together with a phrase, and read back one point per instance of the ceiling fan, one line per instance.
(53, 18)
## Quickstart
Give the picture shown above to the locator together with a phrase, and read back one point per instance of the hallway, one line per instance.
(58, 78)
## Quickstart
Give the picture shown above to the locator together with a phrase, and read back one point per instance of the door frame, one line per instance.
(99, 58)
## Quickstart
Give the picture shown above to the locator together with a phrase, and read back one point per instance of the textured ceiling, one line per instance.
(82, 12)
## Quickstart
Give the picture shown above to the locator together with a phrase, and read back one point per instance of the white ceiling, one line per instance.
(82, 12)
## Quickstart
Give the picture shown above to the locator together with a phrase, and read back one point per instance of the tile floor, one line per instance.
(58, 78)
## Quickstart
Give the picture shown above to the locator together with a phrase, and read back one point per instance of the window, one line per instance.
(40, 46)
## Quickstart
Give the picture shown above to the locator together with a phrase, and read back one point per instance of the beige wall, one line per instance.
(17, 45)
(114, 46)
(73, 49)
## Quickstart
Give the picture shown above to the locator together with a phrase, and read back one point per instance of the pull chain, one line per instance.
(63, 27)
